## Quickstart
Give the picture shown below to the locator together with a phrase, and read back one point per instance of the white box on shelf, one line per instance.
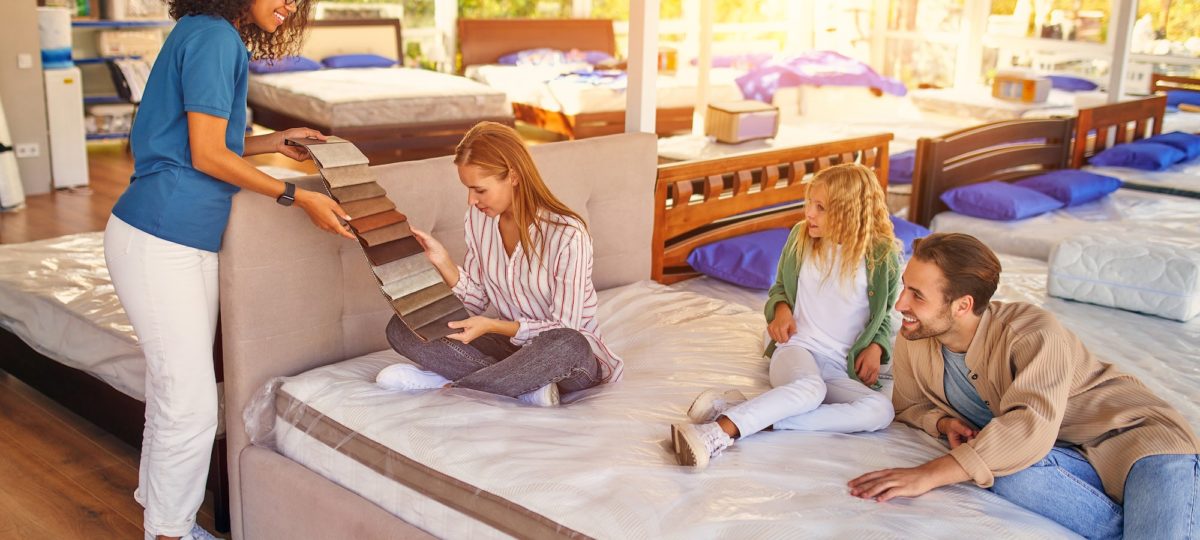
(68, 136)
(141, 42)
(135, 9)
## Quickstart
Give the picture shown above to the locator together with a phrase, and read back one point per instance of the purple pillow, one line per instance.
(1071, 84)
(907, 232)
(749, 260)
(999, 201)
(1142, 155)
(1188, 143)
(1072, 186)
(357, 61)
(534, 57)
(900, 167)
(285, 64)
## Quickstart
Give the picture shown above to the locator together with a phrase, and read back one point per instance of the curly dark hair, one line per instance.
(263, 45)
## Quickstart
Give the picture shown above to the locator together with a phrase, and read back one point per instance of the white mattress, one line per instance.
(1128, 272)
(1181, 177)
(978, 103)
(600, 464)
(1142, 213)
(1188, 122)
(56, 295)
(540, 86)
(375, 96)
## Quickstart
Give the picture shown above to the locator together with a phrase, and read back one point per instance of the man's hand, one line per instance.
(866, 365)
(956, 431)
(887, 484)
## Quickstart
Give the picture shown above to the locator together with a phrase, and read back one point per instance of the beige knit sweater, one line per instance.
(1043, 386)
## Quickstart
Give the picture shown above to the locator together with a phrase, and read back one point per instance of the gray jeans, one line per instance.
(491, 363)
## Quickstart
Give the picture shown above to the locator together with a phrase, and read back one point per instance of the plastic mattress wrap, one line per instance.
(376, 96)
(600, 464)
(56, 296)
(1176, 219)
(1182, 177)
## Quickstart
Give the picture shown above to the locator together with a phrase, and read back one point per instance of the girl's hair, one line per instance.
(263, 45)
(856, 217)
(499, 151)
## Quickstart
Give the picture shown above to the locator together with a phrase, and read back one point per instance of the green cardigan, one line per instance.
(883, 286)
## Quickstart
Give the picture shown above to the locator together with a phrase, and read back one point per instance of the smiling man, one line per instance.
(1027, 410)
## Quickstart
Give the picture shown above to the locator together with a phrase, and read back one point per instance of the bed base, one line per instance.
(585, 125)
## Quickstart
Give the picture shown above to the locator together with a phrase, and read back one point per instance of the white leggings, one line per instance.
(812, 393)
(169, 292)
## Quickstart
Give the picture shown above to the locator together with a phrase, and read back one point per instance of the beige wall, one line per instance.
(21, 91)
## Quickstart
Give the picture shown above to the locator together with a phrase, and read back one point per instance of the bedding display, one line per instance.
(1182, 179)
(343, 98)
(1124, 211)
(502, 468)
(1154, 276)
(577, 89)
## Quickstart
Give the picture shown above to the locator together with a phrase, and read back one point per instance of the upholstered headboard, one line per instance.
(294, 298)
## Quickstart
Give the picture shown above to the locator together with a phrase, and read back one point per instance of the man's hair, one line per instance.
(971, 269)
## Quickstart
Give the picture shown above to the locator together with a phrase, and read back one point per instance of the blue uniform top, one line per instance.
(202, 67)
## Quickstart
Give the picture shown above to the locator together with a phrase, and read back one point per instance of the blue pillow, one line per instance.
(1185, 142)
(1072, 186)
(1146, 156)
(749, 260)
(357, 61)
(1176, 98)
(534, 57)
(999, 201)
(285, 64)
(900, 167)
(908, 231)
(1071, 84)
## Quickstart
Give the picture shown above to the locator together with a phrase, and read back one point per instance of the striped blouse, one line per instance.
(539, 297)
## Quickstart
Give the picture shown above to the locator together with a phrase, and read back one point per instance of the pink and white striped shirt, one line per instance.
(555, 291)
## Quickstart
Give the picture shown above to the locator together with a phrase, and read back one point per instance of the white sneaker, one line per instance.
(712, 403)
(198, 533)
(698, 443)
(409, 377)
(546, 396)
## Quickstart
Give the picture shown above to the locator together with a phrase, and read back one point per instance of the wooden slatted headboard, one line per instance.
(1004, 151)
(484, 41)
(700, 202)
(1144, 116)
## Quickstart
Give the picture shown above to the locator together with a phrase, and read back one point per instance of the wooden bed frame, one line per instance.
(108, 408)
(700, 202)
(484, 41)
(384, 143)
(999, 151)
(1164, 83)
(1130, 121)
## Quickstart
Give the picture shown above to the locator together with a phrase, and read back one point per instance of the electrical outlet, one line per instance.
(28, 150)
(24, 61)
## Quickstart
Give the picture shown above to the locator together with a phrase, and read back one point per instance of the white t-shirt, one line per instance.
(830, 314)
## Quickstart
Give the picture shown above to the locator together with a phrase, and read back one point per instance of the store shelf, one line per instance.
(106, 136)
(102, 59)
(103, 100)
(99, 23)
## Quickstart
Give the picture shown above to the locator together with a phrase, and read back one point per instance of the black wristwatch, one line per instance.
(289, 194)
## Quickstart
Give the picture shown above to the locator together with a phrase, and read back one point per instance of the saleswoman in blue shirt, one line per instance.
(162, 240)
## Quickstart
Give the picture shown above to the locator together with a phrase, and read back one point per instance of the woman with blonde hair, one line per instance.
(829, 323)
(528, 256)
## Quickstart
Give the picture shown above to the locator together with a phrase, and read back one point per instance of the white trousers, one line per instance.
(812, 393)
(169, 292)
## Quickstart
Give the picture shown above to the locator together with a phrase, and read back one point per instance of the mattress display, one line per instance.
(361, 97)
(553, 88)
(1143, 213)
(1181, 179)
(1128, 272)
(978, 103)
(459, 463)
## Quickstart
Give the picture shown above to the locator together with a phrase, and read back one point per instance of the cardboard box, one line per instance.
(739, 121)
(1022, 87)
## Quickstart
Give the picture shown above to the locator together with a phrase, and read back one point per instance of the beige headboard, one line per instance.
(294, 298)
(371, 36)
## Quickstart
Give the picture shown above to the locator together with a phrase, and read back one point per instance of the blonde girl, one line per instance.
(828, 320)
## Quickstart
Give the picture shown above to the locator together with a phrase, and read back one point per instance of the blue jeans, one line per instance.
(1161, 495)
